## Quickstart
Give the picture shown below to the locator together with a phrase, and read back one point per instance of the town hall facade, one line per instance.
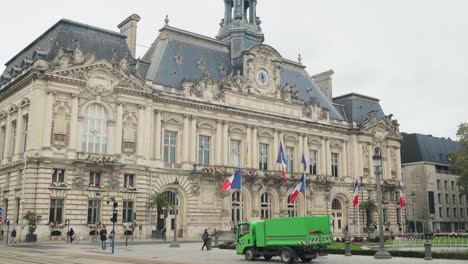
(83, 121)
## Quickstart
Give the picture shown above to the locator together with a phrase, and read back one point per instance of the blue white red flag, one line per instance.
(356, 194)
(282, 162)
(300, 188)
(234, 182)
(304, 163)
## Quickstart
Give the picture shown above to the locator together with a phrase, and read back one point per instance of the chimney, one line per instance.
(129, 28)
(324, 82)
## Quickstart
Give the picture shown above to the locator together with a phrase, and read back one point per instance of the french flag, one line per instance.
(300, 188)
(356, 194)
(282, 161)
(234, 182)
(402, 200)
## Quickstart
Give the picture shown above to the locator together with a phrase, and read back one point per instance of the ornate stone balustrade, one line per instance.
(98, 158)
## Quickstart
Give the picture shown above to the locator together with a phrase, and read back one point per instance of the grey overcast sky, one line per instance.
(411, 54)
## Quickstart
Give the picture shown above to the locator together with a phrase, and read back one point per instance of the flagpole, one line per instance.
(402, 222)
(305, 194)
(358, 227)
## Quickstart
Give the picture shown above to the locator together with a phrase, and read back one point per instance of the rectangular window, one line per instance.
(438, 184)
(369, 194)
(263, 156)
(58, 175)
(384, 215)
(453, 185)
(56, 210)
(2, 140)
(129, 180)
(461, 213)
(170, 146)
(335, 164)
(439, 198)
(445, 185)
(313, 162)
(235, 153)
(93, 211)
(447, 201)
(454, 199)
(460, 198)
(440, 212)
(204, 150)
(398, 215)
(127, 212)
(95, 179)
(431, 202)
(13, 138)
(289, 159)
(448, 212)
(25, 133)
(18, 204)
(455, 212)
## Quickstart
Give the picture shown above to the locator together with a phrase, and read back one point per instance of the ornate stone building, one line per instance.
(82, 120)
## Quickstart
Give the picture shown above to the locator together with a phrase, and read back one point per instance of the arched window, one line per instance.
(265, 206)
(336, 205)
(236, 207)
(292, 208)
(172, 199)
(94, 138)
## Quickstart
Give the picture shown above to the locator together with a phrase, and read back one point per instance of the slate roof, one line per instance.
(357, 105)
(64, 34)
(426, 148)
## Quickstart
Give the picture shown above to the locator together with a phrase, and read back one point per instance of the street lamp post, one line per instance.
(327, 198)
(413, 199)
(174, 243)
(382, 253)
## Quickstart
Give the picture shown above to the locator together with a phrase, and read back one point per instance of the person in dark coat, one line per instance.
(163, 234)
(103, 235)
(71, 233)
(13, 236)
(205, 239)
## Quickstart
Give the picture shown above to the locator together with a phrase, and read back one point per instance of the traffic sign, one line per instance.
(1, 211)
(1, 219)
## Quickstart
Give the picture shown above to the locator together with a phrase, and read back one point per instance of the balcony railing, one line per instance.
(98, 158)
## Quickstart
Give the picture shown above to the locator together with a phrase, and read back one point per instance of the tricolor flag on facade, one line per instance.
(402, 200)
(300, 188)
(356, 194)
(304, 163)
(234, 182)
(282, 161)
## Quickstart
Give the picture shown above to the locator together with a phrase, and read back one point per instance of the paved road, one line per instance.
(160, 253)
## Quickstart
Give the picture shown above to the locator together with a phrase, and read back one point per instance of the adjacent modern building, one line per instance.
(83, 121)
(434, 200)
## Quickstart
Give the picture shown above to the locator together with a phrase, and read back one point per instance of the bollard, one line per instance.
(348, 249)
(427, 250)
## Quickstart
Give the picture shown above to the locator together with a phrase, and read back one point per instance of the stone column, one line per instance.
(148, 128)
(274, 152)
(140, 131)
(305, 143)
(398, 165)
(254, 148)
(371, 162)
(388, 169)
(48, 120)
(193, 141)
(355, 157)
(219, 143)
(323, 157)
(348, 152)
(19, 130)
(328, 157)
(158, 136)
(225, 144)
(300, 150)
(248, 148)
(345, 160)
(186, 139)
(118, 130)
(73, 125)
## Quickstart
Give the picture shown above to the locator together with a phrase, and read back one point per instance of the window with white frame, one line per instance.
(56, 210)
(94, 137)
(25, 132)
(235, 153)
(398, 213)
(204, 150)
(58, 175)
(127, 212)
(292, 208)
(93, 211)
(12, 138)
(95, 179)
(263, 156)
(265, 206)
(236, 214)
(313, 162)
(290, 159)
(129, 180)
(335, 157)
(170, 146)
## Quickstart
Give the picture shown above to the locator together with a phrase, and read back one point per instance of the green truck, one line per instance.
(293, 239)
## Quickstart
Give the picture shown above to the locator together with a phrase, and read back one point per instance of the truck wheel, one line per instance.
(249, 254)
(287, 255)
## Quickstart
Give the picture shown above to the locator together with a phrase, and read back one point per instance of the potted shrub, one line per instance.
(32, 220)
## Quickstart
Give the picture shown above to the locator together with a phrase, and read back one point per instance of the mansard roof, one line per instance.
(426, 148)
(65, 33)
(356, 106)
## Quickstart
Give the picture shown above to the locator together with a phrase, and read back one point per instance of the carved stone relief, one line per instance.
(61, 123)
(129, 132)
(204, 88)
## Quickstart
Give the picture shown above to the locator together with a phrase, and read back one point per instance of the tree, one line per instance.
(459, 160)
(32, 220)
(369, 207)
(160, 202)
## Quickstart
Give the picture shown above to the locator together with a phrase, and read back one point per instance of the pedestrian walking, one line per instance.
(205, 238)
(13, 236)
(71, 233)
(163, 234)
(103, 234)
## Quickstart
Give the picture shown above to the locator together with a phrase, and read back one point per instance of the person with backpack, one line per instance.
(205, 238)
(103, 234)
